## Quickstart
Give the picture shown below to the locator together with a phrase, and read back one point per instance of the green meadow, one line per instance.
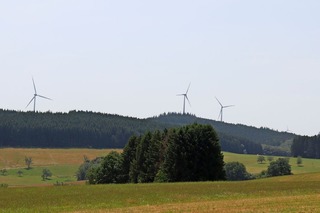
(250, 161)
(63, 163)
(61, 173)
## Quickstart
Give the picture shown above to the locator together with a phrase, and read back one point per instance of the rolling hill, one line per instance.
(83, 129)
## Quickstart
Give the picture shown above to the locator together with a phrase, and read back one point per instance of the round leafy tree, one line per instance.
(236, 171)
(279, 167)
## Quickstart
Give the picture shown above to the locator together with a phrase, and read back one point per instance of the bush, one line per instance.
(46, 173)
(20, 173)
(86, 166)
(3, 172)
(279, 167)
(261, 159)
(236, 171)
(109, 171)
(270, 158)
(262, 174)
(299, 161)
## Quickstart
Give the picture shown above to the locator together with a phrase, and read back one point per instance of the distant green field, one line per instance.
(295, 193)
(63, 163)
(14, 157)
(60, 173)
(250, 161)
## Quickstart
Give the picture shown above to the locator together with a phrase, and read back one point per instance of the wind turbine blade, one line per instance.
(181, 94)
(188, 100)
(44, 97)
(219, 115)
(188, 88)
(34, 86)
(228, 106)
(219, 102)
(30, 102)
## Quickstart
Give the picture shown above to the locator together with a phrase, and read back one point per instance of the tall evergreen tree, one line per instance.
(141, 158)
(193, 154)
(152, 162)
(128, 156)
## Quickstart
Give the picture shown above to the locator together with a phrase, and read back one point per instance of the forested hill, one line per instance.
(258, 135)
(73, 129)
(97, 130)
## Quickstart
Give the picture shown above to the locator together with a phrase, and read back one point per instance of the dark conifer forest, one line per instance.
(83, 129)
(307, 147)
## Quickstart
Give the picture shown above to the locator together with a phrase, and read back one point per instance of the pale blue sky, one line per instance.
(132, 58)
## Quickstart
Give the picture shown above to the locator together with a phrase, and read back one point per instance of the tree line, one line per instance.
(83, 129)
(188, 153)
(307, 147)
(260, 135)
(67, 130)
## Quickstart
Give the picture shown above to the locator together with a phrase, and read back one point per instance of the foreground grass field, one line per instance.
(295, 193)
(63, 163)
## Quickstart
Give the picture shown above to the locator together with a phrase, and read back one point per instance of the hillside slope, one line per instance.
(79, 129)
(258, 135)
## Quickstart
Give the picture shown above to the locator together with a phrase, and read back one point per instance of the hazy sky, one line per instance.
(133, 57)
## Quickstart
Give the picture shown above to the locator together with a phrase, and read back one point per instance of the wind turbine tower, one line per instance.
(185, 96)
(35, 97)
(221, 109)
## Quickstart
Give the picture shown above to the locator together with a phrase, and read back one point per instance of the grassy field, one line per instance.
(250, 161)
(295, 193)
(14, 157)
(63, 163)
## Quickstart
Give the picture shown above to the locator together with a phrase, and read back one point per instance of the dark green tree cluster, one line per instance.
(306, 147)
(109, 171)
(189, 153)
(86, 167)
(279, 167)
(239, 145)
(236, 171)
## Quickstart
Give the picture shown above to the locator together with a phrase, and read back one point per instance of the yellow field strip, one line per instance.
(303, 203)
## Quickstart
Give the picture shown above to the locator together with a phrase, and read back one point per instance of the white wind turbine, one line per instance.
(221, 109)
(185, 96)
(35, 97)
